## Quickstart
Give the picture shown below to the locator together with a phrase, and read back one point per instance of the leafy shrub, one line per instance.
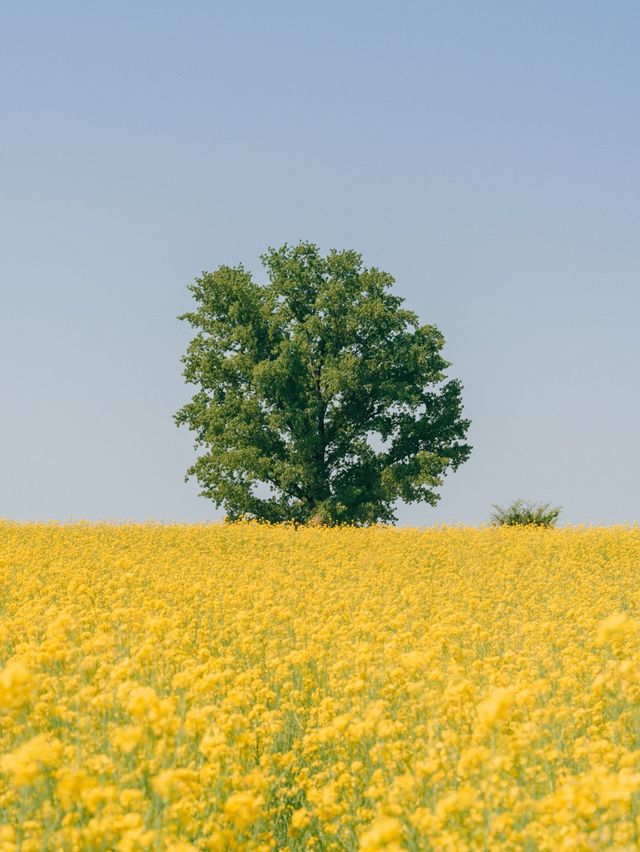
(524, 513)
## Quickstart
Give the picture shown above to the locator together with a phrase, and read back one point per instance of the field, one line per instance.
(248, 687)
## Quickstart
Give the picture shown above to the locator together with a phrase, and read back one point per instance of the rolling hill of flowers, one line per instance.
(251, 687)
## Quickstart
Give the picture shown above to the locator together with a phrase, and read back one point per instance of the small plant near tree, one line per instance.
(525, 513)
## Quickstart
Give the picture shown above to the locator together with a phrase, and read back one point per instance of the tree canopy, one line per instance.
(319, 397)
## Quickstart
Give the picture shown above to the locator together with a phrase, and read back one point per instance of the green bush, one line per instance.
(524, 513)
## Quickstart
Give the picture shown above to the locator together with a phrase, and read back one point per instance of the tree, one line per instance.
(319, 398)
(525, 513)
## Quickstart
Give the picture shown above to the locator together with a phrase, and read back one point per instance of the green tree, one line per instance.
(525, 513)
(319, 398)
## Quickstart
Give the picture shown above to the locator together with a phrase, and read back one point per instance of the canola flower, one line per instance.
(243, 686)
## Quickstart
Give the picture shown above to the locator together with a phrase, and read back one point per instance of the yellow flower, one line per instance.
(131, 798)
(415, 660)
(16, 685)
(213, 744)
(243, 808)
(300, 819)
(71, 785)
(455, 802)
(174, 783)
(218, 682)
(96, 797)
(27, 763)
(127, 738)
(619, 787)
(616, 626)
(496, 707)
(384, 833)
(142, 701)
(7, 836)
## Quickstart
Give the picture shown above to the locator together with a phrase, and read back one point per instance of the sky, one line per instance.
(485, 154)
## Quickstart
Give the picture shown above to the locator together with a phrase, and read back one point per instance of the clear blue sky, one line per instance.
(486, 154)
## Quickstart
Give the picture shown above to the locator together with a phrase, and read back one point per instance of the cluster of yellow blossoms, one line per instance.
(252, 687)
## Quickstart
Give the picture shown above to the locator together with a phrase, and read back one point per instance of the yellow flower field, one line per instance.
(252, 687)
